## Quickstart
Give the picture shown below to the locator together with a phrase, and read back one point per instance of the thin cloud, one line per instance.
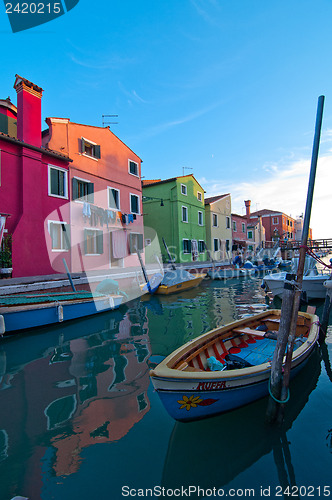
(285, 191)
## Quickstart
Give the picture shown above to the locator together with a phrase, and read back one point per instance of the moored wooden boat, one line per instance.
(21, 312)
(243, 350)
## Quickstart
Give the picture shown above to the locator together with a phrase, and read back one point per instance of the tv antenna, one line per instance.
(109, 123)
(188, 168)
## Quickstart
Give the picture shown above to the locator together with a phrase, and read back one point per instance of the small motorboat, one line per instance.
(173, 281)
(312, 281)
(229, 366)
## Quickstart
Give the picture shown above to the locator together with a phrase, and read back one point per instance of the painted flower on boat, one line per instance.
(190, 402)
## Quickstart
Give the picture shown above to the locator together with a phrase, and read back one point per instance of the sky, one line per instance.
(226, 90)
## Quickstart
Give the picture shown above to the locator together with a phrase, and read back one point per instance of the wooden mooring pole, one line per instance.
(279, 392)
(326, 311)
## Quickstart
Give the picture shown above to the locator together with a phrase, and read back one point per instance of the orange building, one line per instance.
(106, 222)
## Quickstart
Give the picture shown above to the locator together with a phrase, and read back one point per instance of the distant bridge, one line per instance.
(312, 244)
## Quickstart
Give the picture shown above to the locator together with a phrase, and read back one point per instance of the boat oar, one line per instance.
(68, 274)
(169, 255)
(143, 269)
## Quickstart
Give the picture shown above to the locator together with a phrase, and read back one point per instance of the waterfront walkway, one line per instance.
(84, 281)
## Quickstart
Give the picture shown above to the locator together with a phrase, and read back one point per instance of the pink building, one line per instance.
(32, 182)
(86, 210)
(239, 232)
(106, 196)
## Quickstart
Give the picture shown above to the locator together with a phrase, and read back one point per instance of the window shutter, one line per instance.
(140, 241)
(131, 243)
(97, 151)
(100, 242)
(85, 242)
(83, 145)
(75, 189)
(91, 192)
(66, 235)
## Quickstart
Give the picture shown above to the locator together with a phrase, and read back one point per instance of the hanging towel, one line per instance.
(86, 209)
(130, 218)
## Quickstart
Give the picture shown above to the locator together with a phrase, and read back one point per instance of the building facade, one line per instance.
(106, 220)
(174, 210)
(277, 225)
(239, 233)
(33, 181)
(218, 218)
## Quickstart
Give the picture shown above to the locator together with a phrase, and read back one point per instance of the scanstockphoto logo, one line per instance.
(24, 15)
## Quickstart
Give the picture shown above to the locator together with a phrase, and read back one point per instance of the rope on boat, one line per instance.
(278, 400)
(312, 254)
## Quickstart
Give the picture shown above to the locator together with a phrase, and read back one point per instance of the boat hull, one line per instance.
(192, 395)
(179, 287)
(313, 286)
(39, 315)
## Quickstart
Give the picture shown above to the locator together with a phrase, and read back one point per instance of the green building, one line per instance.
(173, 209)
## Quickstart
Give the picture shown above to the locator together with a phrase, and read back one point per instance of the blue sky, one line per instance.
(227, 89)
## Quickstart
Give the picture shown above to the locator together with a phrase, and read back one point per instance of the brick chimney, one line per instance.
(247, 204)
(28, 111)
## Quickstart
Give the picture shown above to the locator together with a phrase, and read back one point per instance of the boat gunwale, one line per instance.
(164, 372)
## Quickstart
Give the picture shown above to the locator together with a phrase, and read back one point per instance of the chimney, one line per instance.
(247, 204)
(28, 111)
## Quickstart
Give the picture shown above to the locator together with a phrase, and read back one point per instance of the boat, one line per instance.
(229, 273)
(173, 281)
(243, 444)
(229, 366)
(312, 282)
(21, 312)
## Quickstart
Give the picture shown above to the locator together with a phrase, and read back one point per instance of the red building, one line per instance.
(277, 225)
(32, 182)
(239, 232)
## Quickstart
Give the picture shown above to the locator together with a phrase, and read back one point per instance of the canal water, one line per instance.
(79, 418)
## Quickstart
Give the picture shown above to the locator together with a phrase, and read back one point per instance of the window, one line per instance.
(214, 220)
(227, 246)
(184, 214)
(57, 182)
(90, 149)
(113, 198)
(243, 227)
(234, 225)
(275, 220)
(83, 190)
(186, 246)
(134, 204)
(60, 235)
(199, 196)
(216, 244)
(201, 246)
(249, 235)
(133, 168)
(93, 242)
(228, 222)
(184, 189)
(200, 218)
(135, 241)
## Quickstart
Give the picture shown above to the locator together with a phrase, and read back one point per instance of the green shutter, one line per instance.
(66, 235)
(100, 242)
(91, 192)
(96, 151)
(74, 189)
(140, 241)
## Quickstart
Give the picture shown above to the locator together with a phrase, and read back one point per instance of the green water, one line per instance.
(79, 418)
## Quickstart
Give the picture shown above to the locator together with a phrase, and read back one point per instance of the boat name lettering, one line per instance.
(211, 386)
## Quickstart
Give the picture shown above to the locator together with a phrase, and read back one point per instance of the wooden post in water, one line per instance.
(326, 311)
(279, 409)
